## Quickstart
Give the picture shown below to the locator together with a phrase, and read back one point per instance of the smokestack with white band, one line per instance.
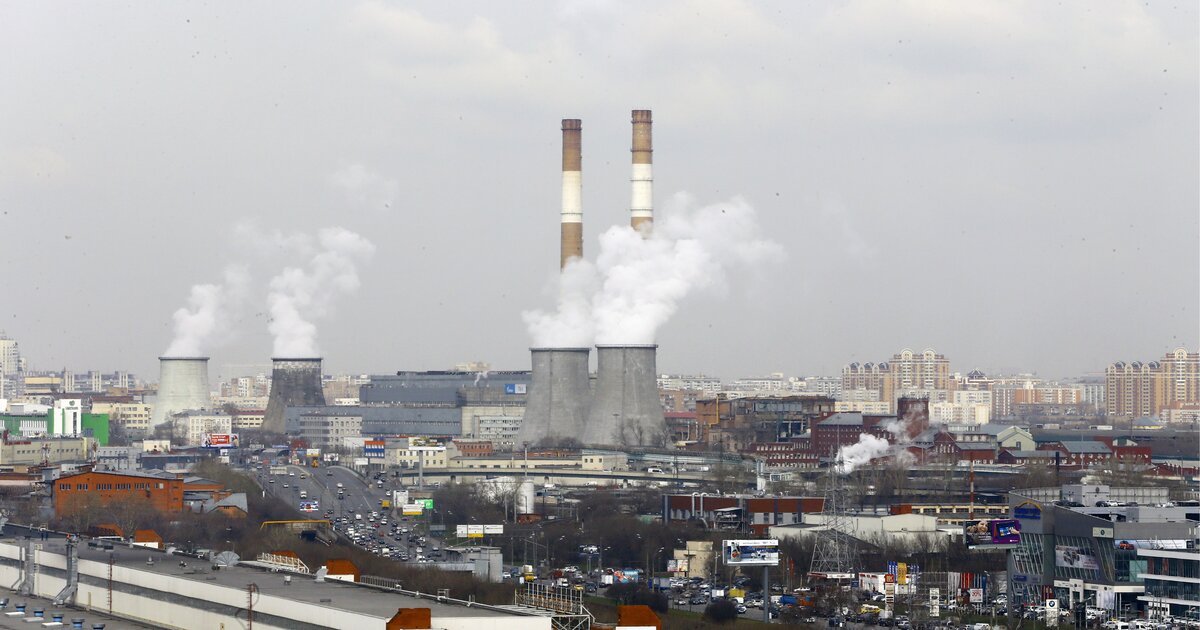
(572, 190)
(641, 209)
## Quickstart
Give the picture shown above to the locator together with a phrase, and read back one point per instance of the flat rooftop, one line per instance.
(303, 588)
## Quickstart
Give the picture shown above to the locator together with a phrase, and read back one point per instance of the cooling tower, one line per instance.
(626, 410)
(557, 401)
(641, 206)
(182, 385)
(572, 191)
(294, 383)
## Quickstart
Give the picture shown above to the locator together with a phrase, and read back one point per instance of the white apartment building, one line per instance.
(710, 384)
(329, 430)
(196, 426)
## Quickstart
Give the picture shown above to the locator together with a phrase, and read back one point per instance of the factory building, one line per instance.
(87, 490)
(433, 403)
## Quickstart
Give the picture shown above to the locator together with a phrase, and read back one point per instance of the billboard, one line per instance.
(426, 503)
(993, 534)
(373, 448)
(221, 440)
(412, 509)
(492, 530)
(309, 506)
(935, 602)
(626, 576)
(515, 388)
(470, 531)
(1075, 558)
(750, 553)
(425, 444)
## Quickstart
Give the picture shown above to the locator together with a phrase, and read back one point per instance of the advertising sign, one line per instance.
(902, 573)
(425, 444)
(313, 452)
(309, 506)
(626, 576)
(373, 448)
(470, 531)
(426, 503)
(493, 530)
(1126, 543)
(1028, 511)
(221, 440)
(1075, 558)
(515, 388)
(412, 509)
(360, 462)
(399, 497)
(1051, 612)
(976, 595)
(751, 553)
(889, 594)
(935, 602)
(994, 534)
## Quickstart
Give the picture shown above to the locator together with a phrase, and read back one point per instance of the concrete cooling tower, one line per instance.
(294, 383)
(182, 386)
(626, 410)
(557, 402)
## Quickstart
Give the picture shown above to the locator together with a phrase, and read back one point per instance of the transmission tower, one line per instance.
(834, 552)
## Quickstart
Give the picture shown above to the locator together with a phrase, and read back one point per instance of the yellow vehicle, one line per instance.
(385, 504)
(869, 609)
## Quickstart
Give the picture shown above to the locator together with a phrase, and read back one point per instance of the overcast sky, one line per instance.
(1013, 184)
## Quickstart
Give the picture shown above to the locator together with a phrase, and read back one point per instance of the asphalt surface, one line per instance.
(359, 496)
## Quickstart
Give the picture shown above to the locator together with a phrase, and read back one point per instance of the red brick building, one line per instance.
(87, 489)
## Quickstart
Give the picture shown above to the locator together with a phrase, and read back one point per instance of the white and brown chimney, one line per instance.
(641, 208)
(572, 190)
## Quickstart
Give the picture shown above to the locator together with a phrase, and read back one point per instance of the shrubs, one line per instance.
(638, 594)
(721, 611)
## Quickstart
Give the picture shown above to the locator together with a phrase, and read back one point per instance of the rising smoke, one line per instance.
(637, 282)
(913, 420)
(209, 310)
(298, 296)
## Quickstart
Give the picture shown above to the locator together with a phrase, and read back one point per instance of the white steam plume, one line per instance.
(637, 282)
(903, 430)
(209, 311)
(867, 448)
(299, 296)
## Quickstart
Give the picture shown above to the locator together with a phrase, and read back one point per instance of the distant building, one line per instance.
(738, 513)
(907, 374)
(194, 427)
(1138, 389)
(329, 430)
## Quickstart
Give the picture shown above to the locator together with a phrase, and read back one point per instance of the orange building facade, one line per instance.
(104, 488)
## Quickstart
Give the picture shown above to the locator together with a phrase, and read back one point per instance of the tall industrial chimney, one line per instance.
(557, 404)
(572, 190)
(626, 410)
(182, 386)
(641, 208)
(294, 383)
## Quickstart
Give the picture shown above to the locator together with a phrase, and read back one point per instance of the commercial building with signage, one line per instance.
(1079, 543)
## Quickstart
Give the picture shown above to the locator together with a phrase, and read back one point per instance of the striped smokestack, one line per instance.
(641, 209)
(572, 190)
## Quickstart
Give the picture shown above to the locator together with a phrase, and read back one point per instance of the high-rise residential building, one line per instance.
(10, 365)
(1138, 389)
(908, 372)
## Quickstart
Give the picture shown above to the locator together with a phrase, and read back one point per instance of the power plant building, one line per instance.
(294, 383)
(426, 403)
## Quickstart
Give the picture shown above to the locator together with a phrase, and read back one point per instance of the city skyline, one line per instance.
(1021, 198)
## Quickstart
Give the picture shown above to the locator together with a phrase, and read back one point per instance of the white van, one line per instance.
(358, 517)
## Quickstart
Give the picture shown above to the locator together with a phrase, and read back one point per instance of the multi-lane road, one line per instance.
(321, 485)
